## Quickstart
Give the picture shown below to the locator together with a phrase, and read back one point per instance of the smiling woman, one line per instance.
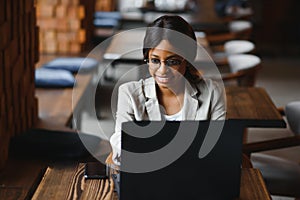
(176, 90)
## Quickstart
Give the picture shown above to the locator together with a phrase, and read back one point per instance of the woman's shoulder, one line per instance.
(208, 84)
(134, 85)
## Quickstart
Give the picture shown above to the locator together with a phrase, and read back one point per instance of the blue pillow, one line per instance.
(109, 23)
(72, 64)
(107, 15)
(53, 78)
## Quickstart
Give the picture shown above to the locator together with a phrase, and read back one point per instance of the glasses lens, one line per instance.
(169, 63)
(172, 62)
(155, 61)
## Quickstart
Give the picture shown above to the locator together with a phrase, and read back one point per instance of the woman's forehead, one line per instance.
(164, 47)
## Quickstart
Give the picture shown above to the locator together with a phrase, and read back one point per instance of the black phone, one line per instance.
(95, 170)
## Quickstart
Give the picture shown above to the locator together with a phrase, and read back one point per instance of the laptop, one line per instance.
(181, 160)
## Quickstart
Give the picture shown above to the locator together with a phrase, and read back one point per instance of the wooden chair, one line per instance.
(243, 70)
(237, 29)
(281, 175)
(221, 52)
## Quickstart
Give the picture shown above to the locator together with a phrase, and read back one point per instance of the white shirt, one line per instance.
(174, 117)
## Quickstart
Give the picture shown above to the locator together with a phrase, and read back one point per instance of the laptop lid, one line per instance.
(181, 160)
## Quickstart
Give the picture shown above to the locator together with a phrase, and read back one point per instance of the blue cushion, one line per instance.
(72, 64)
(110, 15)
(111, 23)
(53, 78)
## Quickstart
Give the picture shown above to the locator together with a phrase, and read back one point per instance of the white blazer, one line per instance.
(137, 100)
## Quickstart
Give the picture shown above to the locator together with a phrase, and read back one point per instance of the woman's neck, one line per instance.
(170, 99)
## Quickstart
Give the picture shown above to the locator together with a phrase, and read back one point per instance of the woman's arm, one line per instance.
(124, 113)
(218, 109)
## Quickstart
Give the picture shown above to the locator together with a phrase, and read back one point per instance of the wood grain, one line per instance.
(66, 181)
(17, 33)
(55, 105)
(252, 104)
(253, 185)
(19, 179)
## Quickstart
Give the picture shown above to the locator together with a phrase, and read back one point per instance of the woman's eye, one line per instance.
(155, 60)
(172, 62)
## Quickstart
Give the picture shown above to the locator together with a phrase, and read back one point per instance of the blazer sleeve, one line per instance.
(124, 113)
(218, 102)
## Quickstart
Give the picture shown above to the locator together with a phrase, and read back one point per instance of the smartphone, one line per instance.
(95, 170)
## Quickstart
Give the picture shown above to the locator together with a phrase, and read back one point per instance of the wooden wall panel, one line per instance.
(2, 10)
(18, 49)
(277, 27)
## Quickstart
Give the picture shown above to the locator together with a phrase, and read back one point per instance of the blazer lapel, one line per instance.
(151, 103)
(190, 104)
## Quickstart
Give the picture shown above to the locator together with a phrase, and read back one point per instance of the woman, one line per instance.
(175, 90)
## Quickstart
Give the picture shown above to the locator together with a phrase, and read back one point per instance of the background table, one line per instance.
(254, 105)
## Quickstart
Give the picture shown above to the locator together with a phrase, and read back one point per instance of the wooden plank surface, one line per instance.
(253, 185)
(55, 105)
(19, 179)
(66, 181)
(252, 104)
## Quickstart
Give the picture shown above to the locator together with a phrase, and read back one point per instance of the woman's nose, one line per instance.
(163, 68)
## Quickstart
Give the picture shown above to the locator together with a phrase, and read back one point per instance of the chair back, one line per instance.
(237, 30)
(292, 112)
(244, 67)
(238, 47)
(241, 28)
(239, 62)
(239, 25)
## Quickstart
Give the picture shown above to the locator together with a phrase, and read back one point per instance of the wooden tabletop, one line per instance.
(55, 105)
(67, 182)
(254, 105)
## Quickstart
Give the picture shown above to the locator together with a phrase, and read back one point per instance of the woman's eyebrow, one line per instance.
(168, 57)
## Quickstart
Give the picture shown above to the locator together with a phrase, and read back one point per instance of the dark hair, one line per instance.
(173, 29)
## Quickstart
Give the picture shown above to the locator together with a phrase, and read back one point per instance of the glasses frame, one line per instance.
(158, 65)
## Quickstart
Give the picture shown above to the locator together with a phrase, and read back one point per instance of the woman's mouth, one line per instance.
(161, 79)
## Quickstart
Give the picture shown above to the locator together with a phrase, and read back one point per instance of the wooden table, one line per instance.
(254, 105)
(202, 16)
(67, 182)
(56, 104)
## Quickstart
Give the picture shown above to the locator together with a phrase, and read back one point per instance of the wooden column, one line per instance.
(18, 55)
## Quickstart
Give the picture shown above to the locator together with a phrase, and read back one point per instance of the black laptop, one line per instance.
(181, 160)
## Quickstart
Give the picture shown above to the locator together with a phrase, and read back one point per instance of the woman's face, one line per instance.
(166, 67)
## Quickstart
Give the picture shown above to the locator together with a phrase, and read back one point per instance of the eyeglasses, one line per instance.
(155, 62)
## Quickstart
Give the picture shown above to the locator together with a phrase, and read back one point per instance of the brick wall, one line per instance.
(66, 26)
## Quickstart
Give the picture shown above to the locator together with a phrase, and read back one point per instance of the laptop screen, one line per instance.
(181, 160)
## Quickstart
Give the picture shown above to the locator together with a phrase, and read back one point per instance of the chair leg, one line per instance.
(246, 162)
(245, 136)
